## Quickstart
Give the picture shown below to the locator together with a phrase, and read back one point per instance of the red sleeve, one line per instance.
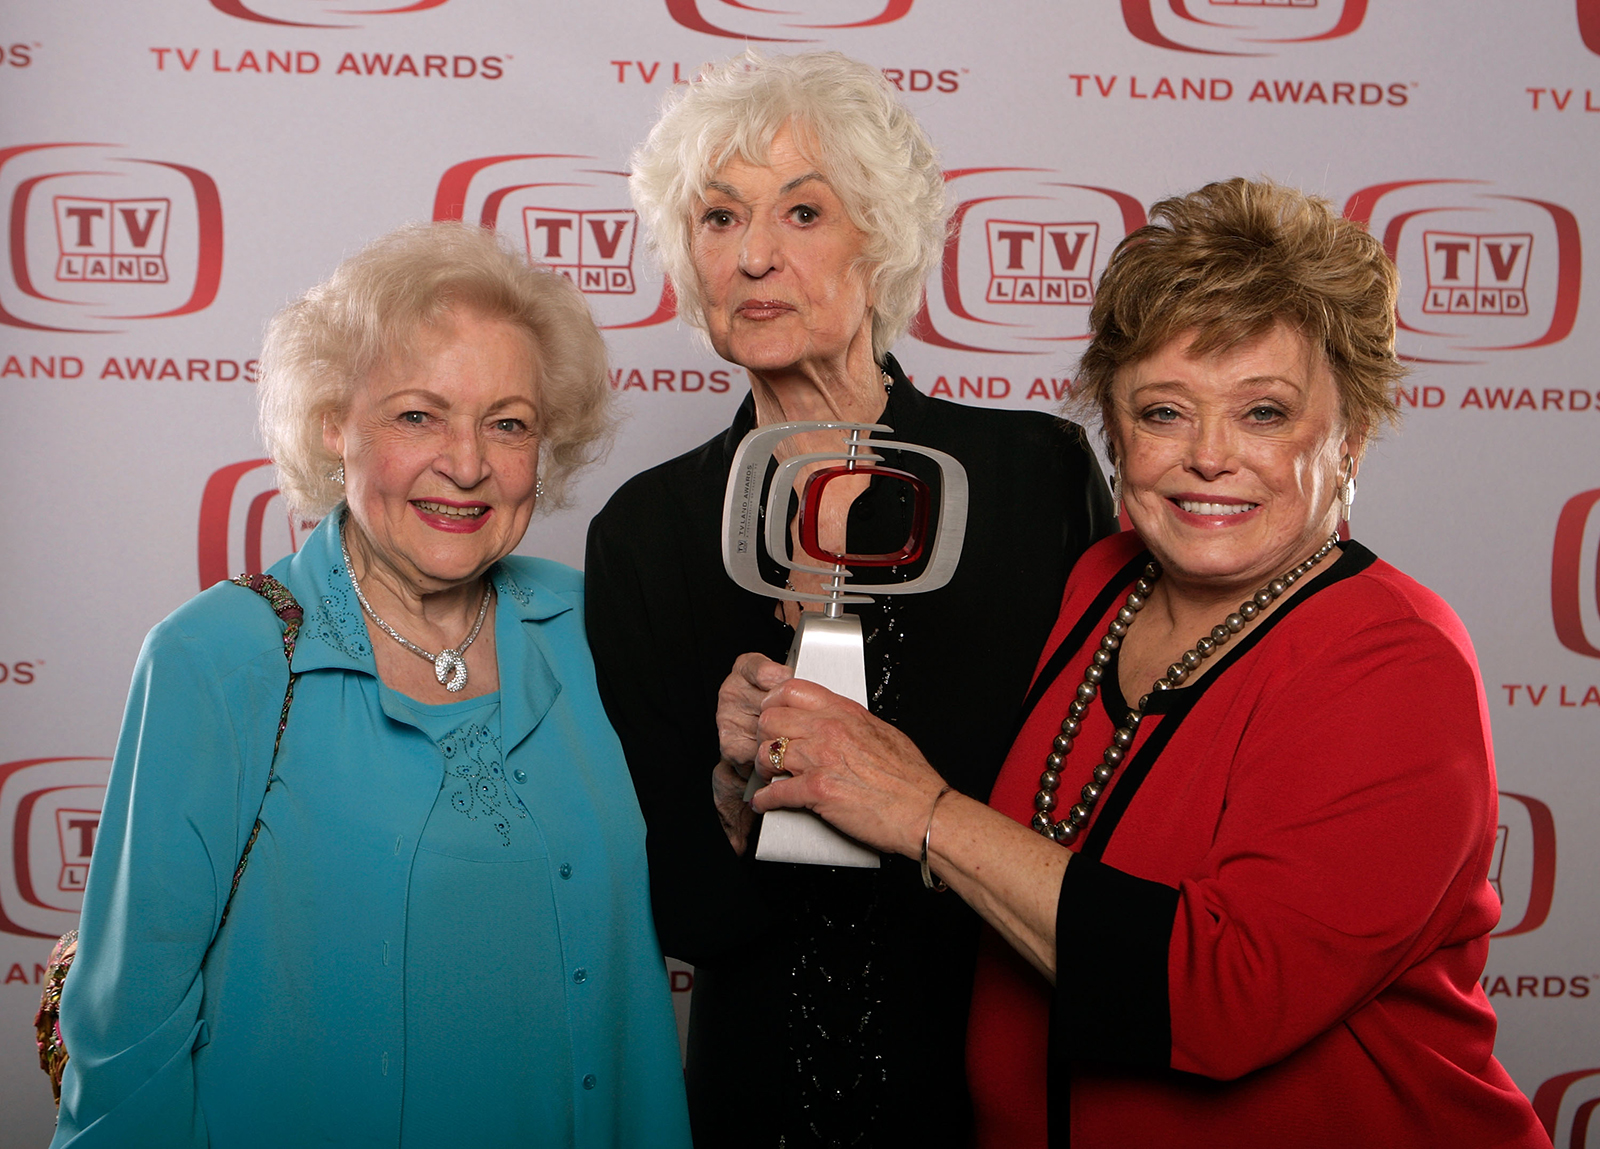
(1360, 809)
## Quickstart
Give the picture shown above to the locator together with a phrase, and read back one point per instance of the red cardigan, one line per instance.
(1274, 928)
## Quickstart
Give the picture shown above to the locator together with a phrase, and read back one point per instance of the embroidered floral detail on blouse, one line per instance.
(507, 584)
(336, 619)
(475, 774)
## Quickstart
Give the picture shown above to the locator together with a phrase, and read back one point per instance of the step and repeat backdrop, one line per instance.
(172, 171)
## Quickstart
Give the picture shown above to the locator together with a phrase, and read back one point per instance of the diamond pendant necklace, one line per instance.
(449, 666)
(1045, 801)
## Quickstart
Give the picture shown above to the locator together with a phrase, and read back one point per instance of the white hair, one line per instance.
(847, 119)
(367, 315)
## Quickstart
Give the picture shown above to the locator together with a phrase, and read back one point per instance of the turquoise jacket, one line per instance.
(292, 1031)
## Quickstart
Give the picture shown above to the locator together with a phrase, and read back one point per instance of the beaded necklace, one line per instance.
(1066, 831)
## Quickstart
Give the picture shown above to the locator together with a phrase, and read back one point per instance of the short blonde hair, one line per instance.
(1230, 262)
(367, 315)
(847, 119)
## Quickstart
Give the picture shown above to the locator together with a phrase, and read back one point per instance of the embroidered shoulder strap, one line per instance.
(286, 608)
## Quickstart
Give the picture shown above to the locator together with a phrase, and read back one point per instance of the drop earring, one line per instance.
(1116, 490)
(1347, 489)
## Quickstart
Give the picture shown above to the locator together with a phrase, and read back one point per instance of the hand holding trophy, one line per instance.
(828, 647)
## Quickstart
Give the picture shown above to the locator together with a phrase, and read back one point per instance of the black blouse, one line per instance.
(830, 1005)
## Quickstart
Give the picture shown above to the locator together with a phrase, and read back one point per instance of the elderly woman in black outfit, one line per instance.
(797, 208)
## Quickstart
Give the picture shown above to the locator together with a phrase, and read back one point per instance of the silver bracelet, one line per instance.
(928, 879)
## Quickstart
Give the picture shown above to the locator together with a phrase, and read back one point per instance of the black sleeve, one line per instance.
(1040, 501)
(1113, 934)
(641, 616)
(1090, 517)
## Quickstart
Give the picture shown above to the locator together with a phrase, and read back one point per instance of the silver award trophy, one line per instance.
(828, 647)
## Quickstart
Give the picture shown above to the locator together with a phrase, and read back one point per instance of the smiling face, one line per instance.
(441, 454)
(1230, 462)
(777, 259)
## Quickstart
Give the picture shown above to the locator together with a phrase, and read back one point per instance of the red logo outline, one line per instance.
(20, 843)
(209, 241)
(451, 197)
(215, 533)
(1566, 574)
(239, 11)
(688, 14)
(1542, 880)
(1547, 1106)
(1589, 24)
(1140, 18)
(1569, 257)
(948, 286)
(216, 503)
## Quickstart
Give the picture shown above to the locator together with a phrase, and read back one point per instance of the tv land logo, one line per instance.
(793, 23)
(1041, 262)
(96, 238)
(1575, 575)
(1481, 270)
(1477, 274)
(1566, 1106)
(1240, 27)
(281, 11)
(49, 817)
(1523, 869)
(122, 241)
(594, 249)
(568, 213)
(1589, 24)
(245, 526)
(1021, 259)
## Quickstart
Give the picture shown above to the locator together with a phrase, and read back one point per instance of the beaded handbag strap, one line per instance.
(53, 1053)
(286, 608)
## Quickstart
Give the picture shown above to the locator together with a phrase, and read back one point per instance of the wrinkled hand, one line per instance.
(857, 772)
(739, 705)
(727, 794)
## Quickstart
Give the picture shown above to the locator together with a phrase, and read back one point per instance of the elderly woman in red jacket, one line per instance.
(1234, 869)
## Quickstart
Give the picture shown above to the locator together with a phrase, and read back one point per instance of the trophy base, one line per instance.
(830, 652)
(802, 837)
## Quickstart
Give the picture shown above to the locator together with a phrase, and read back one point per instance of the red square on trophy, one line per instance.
(811, 517)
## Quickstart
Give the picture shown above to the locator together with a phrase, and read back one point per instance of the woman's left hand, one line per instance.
(857, 772)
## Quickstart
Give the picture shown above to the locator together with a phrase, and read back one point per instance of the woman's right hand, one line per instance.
(738, 709)
(727, 794)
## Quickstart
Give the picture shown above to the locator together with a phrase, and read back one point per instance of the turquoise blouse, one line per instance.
(443, 936)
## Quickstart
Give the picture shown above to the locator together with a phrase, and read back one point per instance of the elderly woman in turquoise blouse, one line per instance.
(442, 935)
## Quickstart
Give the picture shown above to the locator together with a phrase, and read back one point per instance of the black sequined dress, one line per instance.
(829, 1006)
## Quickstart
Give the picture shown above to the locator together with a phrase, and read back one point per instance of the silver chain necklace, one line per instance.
(449, 666)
